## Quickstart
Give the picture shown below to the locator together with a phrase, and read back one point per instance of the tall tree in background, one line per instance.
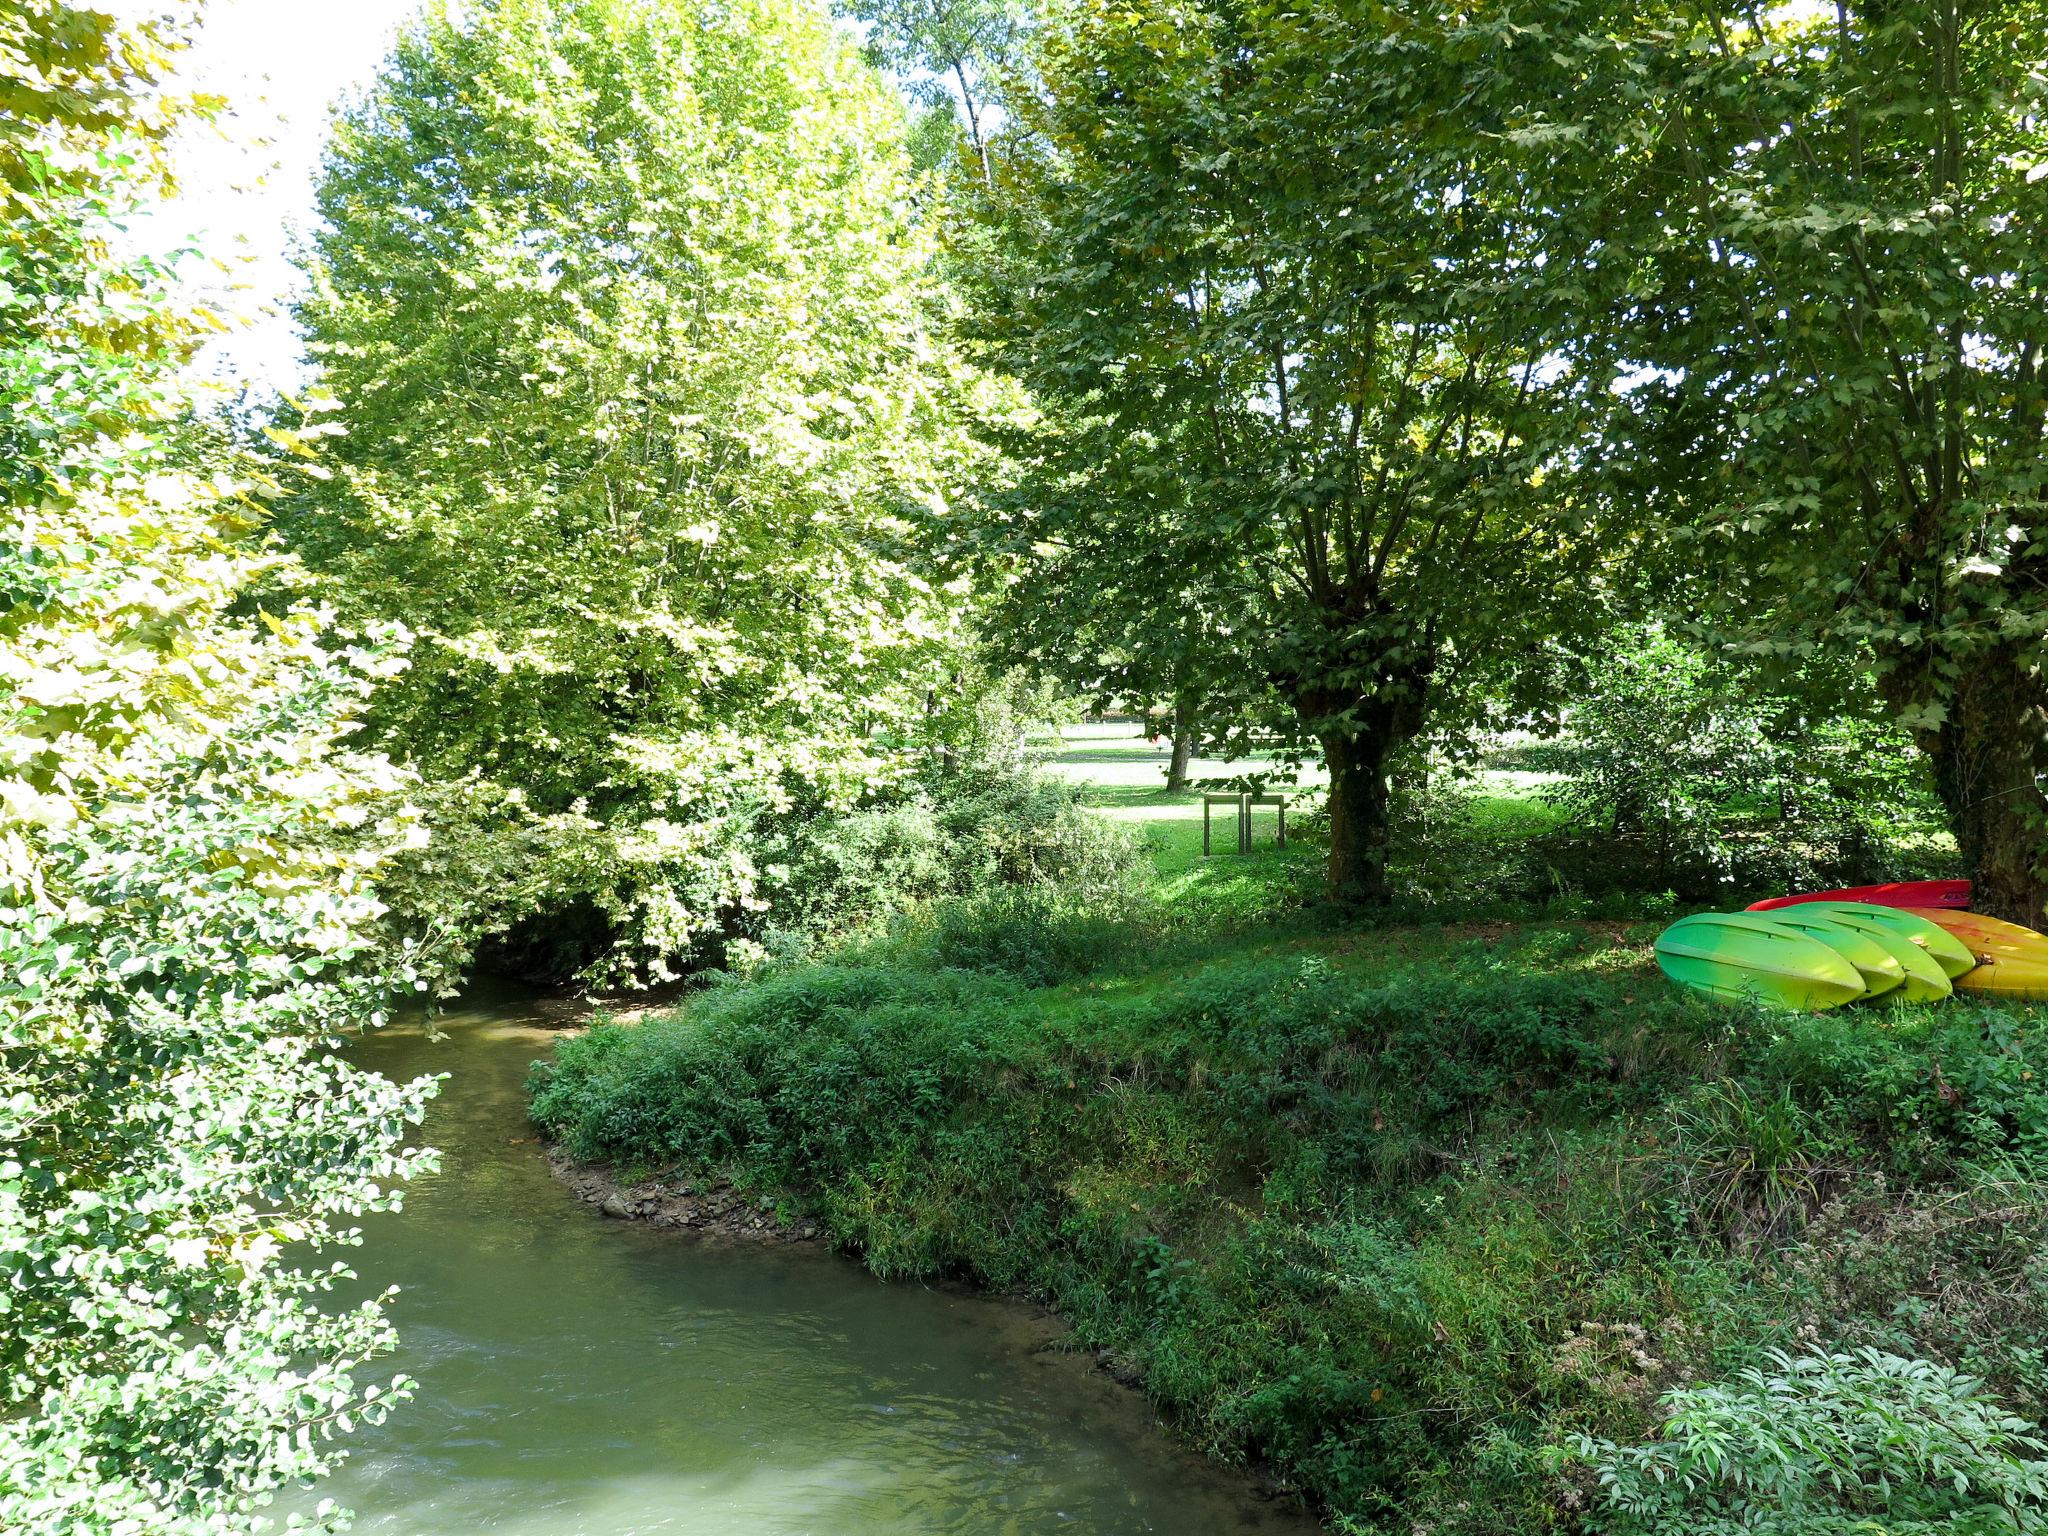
(1071, 595)
(948, 52)
(187, 854)
(1285, 266)
(627, 296)
(1844, 222)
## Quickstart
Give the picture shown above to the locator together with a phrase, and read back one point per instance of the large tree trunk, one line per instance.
(1361, 728)
(1359, 817)
(1360, 733)
(1988, 755)
(1183, 745)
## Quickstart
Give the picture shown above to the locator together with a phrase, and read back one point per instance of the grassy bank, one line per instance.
(1399, 1212)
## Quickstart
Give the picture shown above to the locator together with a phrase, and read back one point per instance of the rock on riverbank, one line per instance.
(710, 1206)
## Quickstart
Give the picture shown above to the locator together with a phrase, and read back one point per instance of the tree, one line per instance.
(947, 50)
(1840, 217)
(1292, 284)
(188, 848)
(1072, 595)
(627, 300)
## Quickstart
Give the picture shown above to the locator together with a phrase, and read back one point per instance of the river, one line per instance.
(586, 1377)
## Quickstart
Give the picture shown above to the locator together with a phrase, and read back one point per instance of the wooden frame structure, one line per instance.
(1243, 801)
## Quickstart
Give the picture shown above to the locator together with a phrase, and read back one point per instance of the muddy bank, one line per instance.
(671, 1200)
(709, 1206)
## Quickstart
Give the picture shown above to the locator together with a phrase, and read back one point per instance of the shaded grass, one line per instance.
(1125, 780)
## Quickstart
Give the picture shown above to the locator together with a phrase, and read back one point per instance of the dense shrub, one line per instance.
(1038, 934)
(817, 871)
(1956, 1271)
(1827, 1445)
(1397, 1238)
(1684, 772)
(961, 830)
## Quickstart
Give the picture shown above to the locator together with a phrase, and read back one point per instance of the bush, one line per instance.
(1955, 1273)
(1038, 934)
(1826, 1445)
(957, 831)
(1686, 773)
(559, 898)
(1931, 1091)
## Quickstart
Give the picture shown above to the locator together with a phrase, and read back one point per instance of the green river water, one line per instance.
(586, 1377)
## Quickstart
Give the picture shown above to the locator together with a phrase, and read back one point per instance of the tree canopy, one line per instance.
(626, 307)
(949, 52)
(1314, 346)
(1837, 223)
(188, 845)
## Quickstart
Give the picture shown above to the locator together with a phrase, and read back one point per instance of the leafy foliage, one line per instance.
(1834, 222)
(948, 51)
(1827, 1445)
(954, 832)
(625, 306)
(1313, 366)
(188, 845)
(1724, 784)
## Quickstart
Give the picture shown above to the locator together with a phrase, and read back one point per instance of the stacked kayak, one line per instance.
(1919, 894)
(1911, 940)
(2011, 961)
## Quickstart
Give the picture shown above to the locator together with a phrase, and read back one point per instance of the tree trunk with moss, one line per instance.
(1989, 754)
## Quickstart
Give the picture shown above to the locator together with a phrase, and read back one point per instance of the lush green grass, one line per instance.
(1395, 1210)
(1450, 852)
(1124, 778)
(1390, 1211)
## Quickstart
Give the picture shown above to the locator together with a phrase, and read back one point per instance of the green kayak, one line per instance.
(1751, 955)
(1875, 962)
(1944, 948)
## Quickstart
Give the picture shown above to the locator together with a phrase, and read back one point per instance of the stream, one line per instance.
(586, 1377)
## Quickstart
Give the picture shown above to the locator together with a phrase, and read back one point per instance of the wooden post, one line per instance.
(1244, 820)
(1245, 817)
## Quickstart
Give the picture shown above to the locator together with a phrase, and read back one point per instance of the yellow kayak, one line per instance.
(2011, 961)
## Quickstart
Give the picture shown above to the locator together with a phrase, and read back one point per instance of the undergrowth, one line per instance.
(1403, 1216)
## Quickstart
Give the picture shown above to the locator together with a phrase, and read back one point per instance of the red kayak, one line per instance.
(1951, 894)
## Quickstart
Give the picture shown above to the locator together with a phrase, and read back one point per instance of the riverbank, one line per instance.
(710, 1206)
(715, 1209)
(1395, 1213)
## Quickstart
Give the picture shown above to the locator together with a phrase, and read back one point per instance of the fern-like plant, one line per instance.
(1862, 1444)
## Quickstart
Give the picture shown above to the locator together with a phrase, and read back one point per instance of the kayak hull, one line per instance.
(1875, 962)
(1918, 894)
(1744, 956)
(1915, 925)
(2011, 961)
(1922, 979)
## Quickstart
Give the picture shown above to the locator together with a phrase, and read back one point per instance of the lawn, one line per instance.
(1123, 776)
